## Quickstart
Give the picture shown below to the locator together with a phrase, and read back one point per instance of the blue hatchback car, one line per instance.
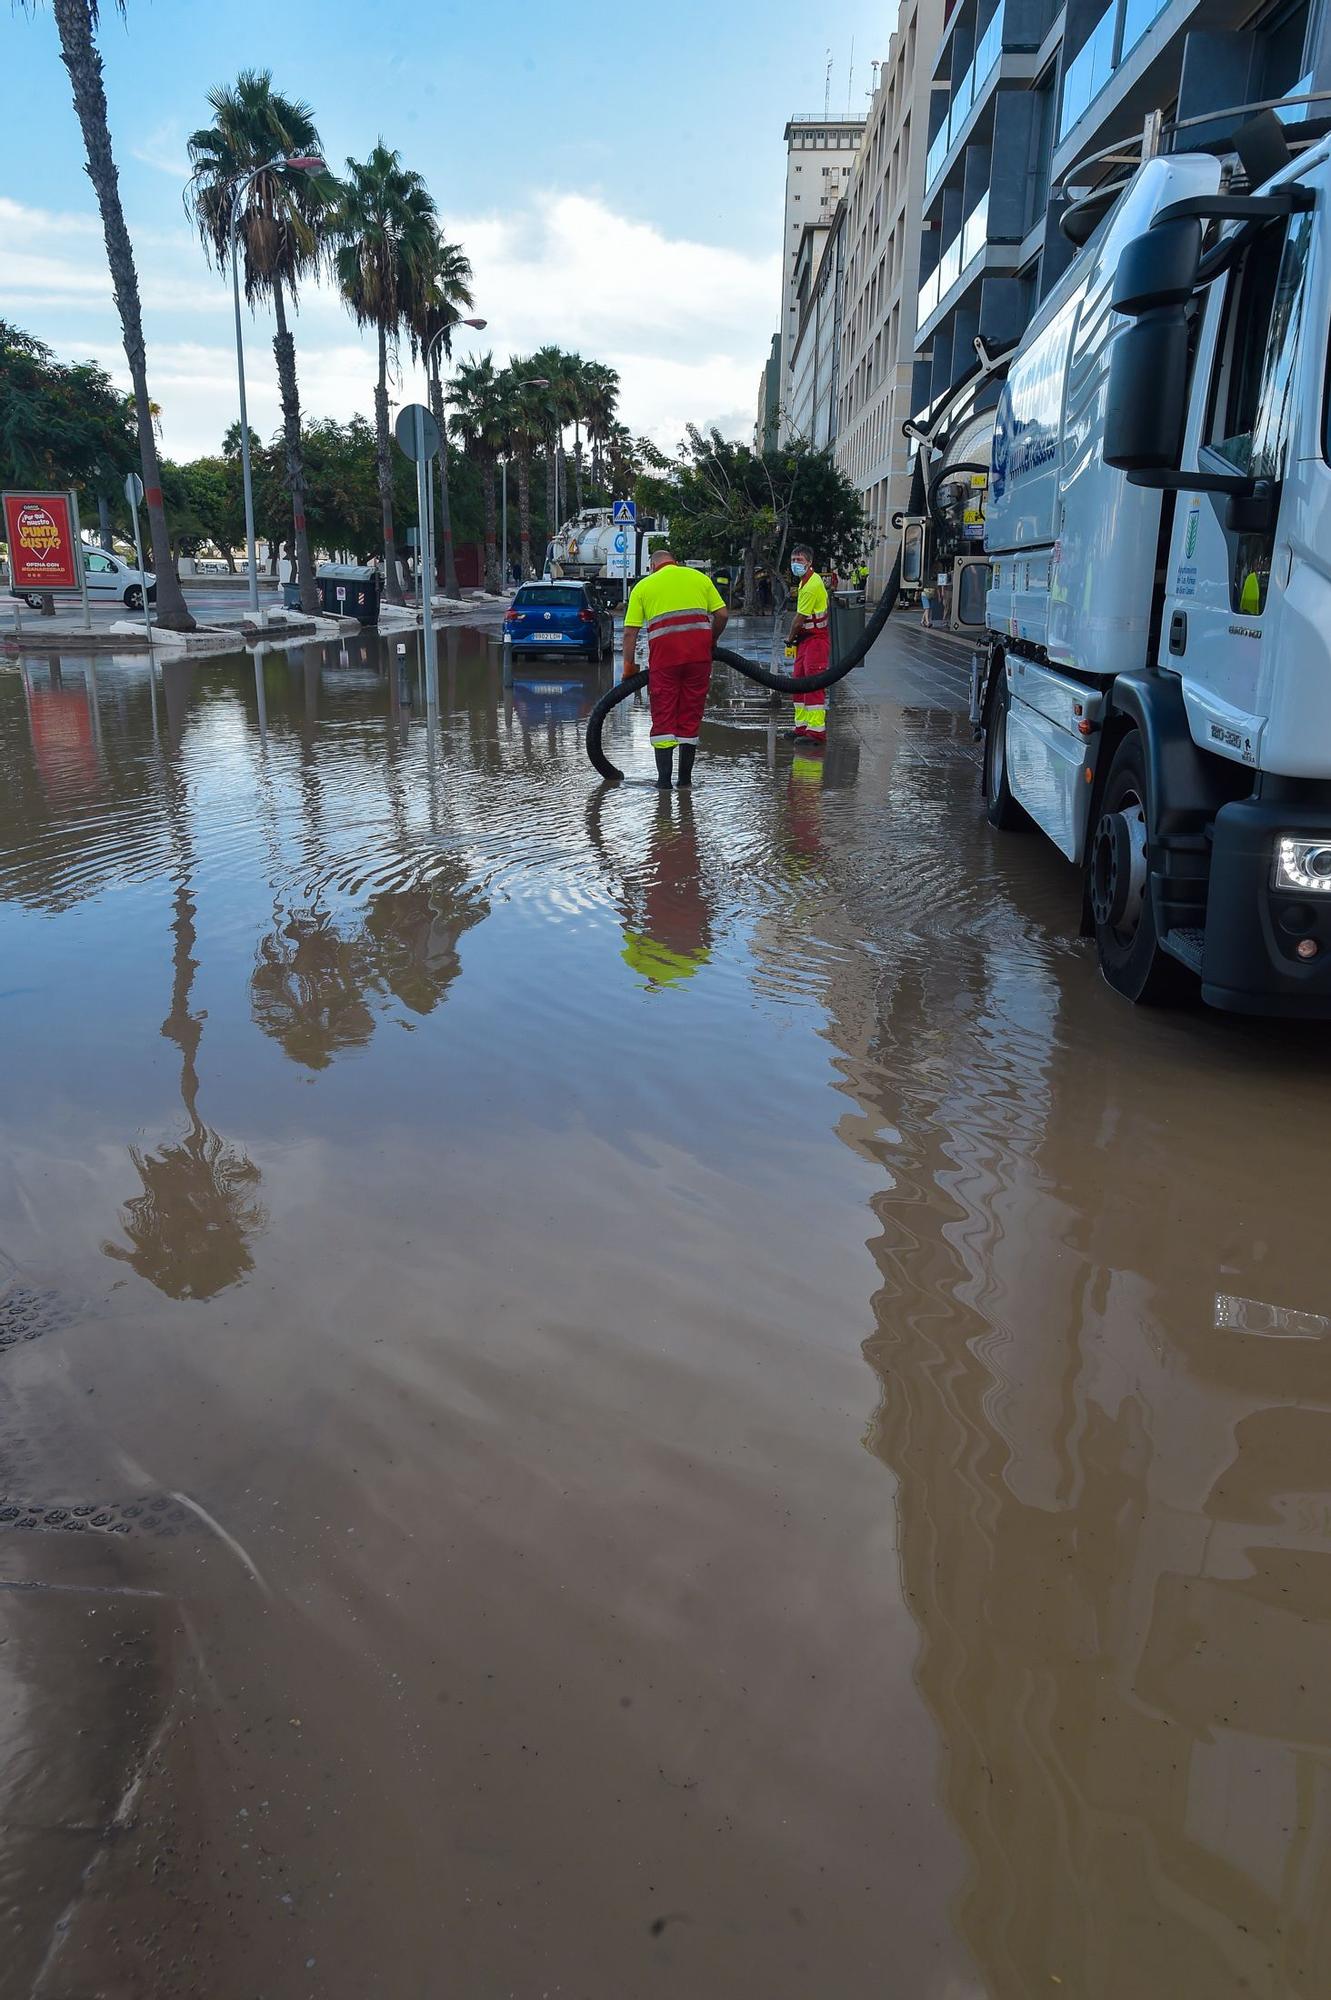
(558, 618)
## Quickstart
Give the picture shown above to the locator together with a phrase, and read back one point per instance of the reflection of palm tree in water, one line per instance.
(188, 1231)
(311, 988)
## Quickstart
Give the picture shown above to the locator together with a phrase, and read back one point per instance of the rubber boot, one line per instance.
(665, 761)
(687, 753)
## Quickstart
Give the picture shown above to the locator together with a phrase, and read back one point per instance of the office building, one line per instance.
(820, 152)
(876, 324)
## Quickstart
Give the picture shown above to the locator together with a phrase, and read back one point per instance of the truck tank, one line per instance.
(1072, 545)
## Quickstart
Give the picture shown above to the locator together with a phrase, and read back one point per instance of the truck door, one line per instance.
(1244, 414)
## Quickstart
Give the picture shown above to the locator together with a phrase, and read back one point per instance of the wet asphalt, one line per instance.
(610, 1395)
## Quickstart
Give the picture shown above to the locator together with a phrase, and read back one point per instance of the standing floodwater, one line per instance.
(612, 1394)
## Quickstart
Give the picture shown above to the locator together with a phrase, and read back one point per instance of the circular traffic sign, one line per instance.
(416, 431)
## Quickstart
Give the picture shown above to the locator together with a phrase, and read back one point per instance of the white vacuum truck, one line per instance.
(1154, 684)
(589, 547)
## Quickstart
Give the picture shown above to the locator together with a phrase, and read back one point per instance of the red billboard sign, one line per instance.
(44, 549)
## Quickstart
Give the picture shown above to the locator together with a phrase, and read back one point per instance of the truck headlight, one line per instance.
(1303, 864)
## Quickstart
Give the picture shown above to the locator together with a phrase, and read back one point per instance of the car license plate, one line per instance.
(546, 638)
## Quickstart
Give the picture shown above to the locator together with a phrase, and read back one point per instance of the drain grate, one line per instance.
(26, 1314)
(157, 1516)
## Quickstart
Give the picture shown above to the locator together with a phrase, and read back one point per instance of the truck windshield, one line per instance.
(550, 598)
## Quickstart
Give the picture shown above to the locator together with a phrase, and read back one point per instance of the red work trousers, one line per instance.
(678, 695)
(812, 656)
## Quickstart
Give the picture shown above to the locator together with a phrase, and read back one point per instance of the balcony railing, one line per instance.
(964, 96)
(965, 246)
(1138, 16)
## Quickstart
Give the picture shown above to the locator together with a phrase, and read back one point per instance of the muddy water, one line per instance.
(611, 1397)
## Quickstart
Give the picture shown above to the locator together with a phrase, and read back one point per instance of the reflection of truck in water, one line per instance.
(593, 547)
(1154, 682)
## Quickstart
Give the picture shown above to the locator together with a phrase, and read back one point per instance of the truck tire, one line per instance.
(1118, 888)
(1002, 809)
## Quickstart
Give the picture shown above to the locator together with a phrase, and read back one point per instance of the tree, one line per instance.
(386, 232)
(600, 398)
(75, 22)
(60, 424)
(526, 415)
(282, 228)
(480, 426)
(432, 313)
(725, 500)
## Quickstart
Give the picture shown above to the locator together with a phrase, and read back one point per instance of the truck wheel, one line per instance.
(1002, 808)
(1118, 888)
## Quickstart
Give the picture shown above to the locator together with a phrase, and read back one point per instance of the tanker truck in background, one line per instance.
(1153, 680)
(595, 549)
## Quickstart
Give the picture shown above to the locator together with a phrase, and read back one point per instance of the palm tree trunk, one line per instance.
(577, 461)
(104, 523)
(284, 348)
(445, 500)
(551, 492)
(392, 581)
(491, 527)
(82, 59)
(524, 509)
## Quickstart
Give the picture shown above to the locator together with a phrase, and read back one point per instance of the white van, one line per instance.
(108, 576)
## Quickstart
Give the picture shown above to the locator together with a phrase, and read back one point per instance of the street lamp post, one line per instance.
(309, 163)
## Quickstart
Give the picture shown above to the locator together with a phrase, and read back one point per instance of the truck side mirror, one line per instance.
(1148, 393)
(1253, 513)
(1159, 268)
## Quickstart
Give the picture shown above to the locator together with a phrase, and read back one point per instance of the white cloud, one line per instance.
(686, 324)
(164, 151)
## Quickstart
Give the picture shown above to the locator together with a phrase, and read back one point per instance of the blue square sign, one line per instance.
(625, 510)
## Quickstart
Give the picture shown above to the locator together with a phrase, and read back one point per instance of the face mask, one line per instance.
(799, 568)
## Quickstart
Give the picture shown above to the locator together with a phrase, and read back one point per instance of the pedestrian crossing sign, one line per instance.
(625, 510)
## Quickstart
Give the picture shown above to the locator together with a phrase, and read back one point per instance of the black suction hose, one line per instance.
(779, 683)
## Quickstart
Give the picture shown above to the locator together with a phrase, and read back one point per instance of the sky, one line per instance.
(615, 175)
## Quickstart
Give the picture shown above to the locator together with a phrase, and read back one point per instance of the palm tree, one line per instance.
(75, 22)
(282, 228)
(480, 427)
(527, 415)
(600, 398)
(386, 231)
(551, 363)
(433, 312)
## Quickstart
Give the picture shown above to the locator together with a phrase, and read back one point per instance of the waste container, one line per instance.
(291, 597)
(349, 590)
(847, 615)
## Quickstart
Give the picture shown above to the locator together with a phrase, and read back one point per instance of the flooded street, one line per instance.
(611, 1396)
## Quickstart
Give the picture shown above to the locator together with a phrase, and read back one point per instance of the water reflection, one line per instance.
(189, 1230)
(1113, 1497)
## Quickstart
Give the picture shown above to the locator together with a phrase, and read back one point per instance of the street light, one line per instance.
(305, 163)
(531, 382)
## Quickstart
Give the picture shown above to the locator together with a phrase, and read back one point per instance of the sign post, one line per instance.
(625, 516)
(134, 494)
(419, 438)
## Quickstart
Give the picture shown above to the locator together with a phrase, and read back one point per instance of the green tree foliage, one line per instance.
(60, 425)
(730, 504)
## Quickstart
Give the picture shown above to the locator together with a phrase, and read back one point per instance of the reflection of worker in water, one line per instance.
(668, 929)
(682, 614)
(811, 638)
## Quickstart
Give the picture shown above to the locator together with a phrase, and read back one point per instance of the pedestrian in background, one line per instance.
(683, 615)
(812, 640)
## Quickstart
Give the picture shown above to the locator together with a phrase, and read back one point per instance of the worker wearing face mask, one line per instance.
(810, 637)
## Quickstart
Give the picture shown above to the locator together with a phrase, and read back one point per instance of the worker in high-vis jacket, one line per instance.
(682, 614)
(812, 640)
